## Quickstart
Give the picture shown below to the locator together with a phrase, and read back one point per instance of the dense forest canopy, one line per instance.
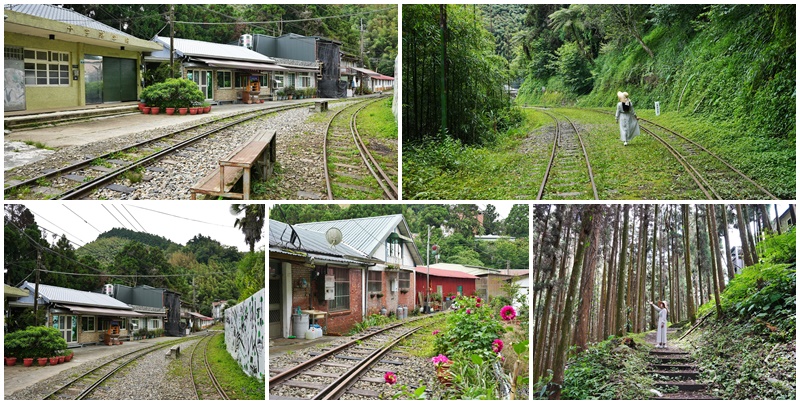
(219, 272)
(224, 23)
(460, 247)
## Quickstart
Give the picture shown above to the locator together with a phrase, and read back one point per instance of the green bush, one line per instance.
(781, 249)
(173, 93)
(34, 342)
(471, 329)
(608, 370)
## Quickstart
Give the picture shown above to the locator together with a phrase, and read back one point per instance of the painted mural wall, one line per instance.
(244, 334)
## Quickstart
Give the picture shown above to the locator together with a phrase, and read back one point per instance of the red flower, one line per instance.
(390, 378)
(508, 313)
(477, 305)
(469, 311)
(478, 299)
(497, 345)
(435, 332)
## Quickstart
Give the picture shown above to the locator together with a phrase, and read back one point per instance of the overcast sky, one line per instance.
(179, 221)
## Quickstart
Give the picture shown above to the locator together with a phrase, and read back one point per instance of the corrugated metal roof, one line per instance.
(310, 241)
(443, 273)
(190, 47)
(10, 291)
(365, 234)
(64, 15)
(296, 63)
(55, 294)
(472, 270)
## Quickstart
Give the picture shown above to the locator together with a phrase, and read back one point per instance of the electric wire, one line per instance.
(126, 219)
(179, 217)
(115, 218)
(84, 220)
(134, 218)
(43, 218)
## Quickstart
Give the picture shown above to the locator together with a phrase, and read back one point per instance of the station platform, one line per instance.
(18, 377)
(279, 346)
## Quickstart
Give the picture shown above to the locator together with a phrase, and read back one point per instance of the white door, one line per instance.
(203, 80)
(67, 325)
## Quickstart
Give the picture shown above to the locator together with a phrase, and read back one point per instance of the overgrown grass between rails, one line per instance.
(376, 120)
(443, 168)
(233, 380)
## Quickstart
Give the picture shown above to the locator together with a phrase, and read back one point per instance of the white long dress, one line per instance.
(628, 124)
(661, 331)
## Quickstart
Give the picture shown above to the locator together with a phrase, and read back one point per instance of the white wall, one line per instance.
(245, 331)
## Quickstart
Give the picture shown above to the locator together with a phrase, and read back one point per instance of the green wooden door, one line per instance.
(119, 80)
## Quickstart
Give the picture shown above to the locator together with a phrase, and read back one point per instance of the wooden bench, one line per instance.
(260, 150)
(174, 352)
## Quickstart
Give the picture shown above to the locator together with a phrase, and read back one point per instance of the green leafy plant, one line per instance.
(470, 329)
(34, 342)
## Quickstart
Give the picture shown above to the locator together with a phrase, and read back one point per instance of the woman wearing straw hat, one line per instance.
(661, 331)
(628, 123)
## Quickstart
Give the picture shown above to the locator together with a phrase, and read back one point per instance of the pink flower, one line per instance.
(439, 359)
(390, 378)
(469, 311)
(478, 299)
(477, 305)
(497, 346)
(435, 332)
(508, 313)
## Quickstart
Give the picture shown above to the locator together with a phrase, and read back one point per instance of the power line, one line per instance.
(126, 219)
(115, 218)
(139, 276)
(134, 218)
(84, 220)
(43, 218)
(286, 21)
(48, 249)
(56, 234)
(180, 217)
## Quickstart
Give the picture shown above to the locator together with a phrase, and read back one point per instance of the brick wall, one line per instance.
(340, 321)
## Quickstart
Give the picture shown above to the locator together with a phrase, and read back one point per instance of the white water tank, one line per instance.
(246, 40)
(108, 289)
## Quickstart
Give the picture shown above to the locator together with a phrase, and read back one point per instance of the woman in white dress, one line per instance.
(661, 330)
(626, 116)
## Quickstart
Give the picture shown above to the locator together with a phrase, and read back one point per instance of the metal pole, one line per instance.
(172, 41)
(36, 287)
(428, 263)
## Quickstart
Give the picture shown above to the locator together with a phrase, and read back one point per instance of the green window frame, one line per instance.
(224, 79)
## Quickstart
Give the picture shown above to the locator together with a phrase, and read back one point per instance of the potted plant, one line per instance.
(53, 360)
(27, 362)
(206, 107)
(42, 361)
(68, 355)
(280, 94)
(145, 110)
(289, 92)
(170, 107)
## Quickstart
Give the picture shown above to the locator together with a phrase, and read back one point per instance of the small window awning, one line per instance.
(300, 69)
(235, 64)
(100, 311)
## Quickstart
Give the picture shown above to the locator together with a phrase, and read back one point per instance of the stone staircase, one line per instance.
(674, 369)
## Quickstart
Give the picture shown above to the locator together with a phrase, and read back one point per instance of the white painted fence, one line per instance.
(244, 334)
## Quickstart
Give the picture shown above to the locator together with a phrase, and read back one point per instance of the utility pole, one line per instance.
(428, 278)
(172, 41)
(36, 286)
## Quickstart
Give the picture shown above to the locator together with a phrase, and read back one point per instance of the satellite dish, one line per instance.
(334, 236)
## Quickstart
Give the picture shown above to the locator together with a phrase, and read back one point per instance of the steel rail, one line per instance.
(552, 157)
(211, 376)
(380, 176)
(340, 386)
(87, 162)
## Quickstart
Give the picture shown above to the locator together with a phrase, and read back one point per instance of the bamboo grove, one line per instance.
(595, 267)
(452, 78)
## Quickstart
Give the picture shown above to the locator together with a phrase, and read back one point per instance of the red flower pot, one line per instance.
(54, 360)
(11, 361)
(27, 362)
(443, 374)
(42, 361)
(192, 111)
(61, 359)
(141, 105)
(183, 111)
(170, 111)
(155, 110)
(207, 109)
(68, 357)
(145, 110)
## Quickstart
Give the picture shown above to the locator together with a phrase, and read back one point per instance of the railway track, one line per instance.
(84, 177)
(202, 388)
(569, 174)
(351, 171)
(331, 374)
(82, 386)
(715, 177)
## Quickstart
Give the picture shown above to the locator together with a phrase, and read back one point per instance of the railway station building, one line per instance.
(57, 58)
(368, 272)
(161, 307)
(81, 317)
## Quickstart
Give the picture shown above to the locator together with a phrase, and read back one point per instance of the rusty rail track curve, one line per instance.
(214, 382)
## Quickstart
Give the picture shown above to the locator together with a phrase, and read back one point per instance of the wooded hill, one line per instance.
(219, 272)
(458, 248)
(226, 22)
(596, 267)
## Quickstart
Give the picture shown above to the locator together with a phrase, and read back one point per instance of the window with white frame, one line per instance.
(87, 324)
(404, 280)
(279, 80)
(224, 79)
(154, 324)
(394, 248)
(374, 281)
(134, 324)
(46, 68)
(305, 80)
(341, 292)
(264, 80)
(290, 79)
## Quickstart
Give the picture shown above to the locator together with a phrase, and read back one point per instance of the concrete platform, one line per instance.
(18, 377)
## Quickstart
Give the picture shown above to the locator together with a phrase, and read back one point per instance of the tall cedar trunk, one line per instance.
(610, 308)
(537, 275)
(653, 269)
(765, 217)
(555, 321)
(620, 326)
(640, 309)
(601, 308)
(777, 219)
(728, 259)
(587, 280)
(631, 276)
(720, 273)
(750, 236)
(699, 268)
(715, 248)
(748, 258)
(687, 264)
(670, 252)
(577, 265)
(539, 341)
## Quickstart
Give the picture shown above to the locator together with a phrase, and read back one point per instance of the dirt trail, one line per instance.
(675, 371)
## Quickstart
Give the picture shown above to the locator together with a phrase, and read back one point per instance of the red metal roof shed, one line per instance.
(450, 281)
